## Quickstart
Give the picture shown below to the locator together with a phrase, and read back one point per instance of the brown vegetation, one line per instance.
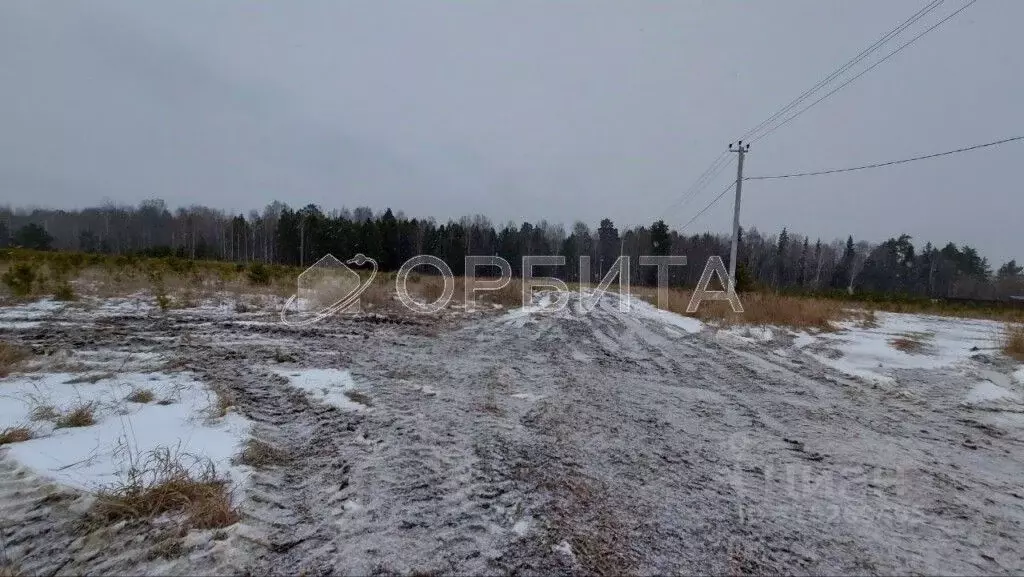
(260, 455)
(1013, 341)
(15, 435)
(164, 483)
(222, 402)
(758, 309)
(81, 415)
(908, 344)
(11, 357)
(140, 396)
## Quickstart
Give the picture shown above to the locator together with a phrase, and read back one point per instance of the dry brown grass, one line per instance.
(379, 294)
(1013, 341)
(431, 290)
(260, 455)
(91, 378)
(758, 309)
(511, 295)
(166, 482)
(140, 396)
(907, 344)
(80, 415)
(15, 435)
(223, 400)
(44, 413)
(11, 357)
(866, 318)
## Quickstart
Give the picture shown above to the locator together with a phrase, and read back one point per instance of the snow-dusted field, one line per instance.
(529, 442)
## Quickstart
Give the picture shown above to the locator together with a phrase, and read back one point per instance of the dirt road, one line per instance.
(608, 442)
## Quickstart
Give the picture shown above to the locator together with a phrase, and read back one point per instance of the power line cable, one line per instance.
(890, 163)
(709, 205)
(702, 181)
(865, 71)
(707, 182)
(842, 69)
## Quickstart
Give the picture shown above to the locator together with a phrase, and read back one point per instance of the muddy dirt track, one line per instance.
(565, 443)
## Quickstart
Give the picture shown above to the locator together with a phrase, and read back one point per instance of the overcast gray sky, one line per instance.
(518, 110)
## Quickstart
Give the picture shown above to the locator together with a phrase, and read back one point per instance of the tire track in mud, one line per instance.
(605, 444)
(718, 457)
(401, 486)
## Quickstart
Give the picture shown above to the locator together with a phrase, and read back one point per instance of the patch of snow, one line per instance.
(565, 549)
(643, 309)
(987, 391)
(803, 339)
(426, 390)
(325, 385)
(580, 356)
(747, 334)
(35, 310)
(18, 325)
(868, 352)
(522, 527)
(97, 455)
(1018, 375)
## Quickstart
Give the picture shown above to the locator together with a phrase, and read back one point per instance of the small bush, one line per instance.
(167, 482)
(164, 302)
(64, 292)
(81, 415)
(159, 288)
(258, 274)
(140, 396)
(1013, 343)
(11, 356)
(20, 278)
(15, 435)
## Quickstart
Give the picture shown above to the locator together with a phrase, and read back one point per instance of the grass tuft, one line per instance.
(44, 413)
(1013, 341)
(15, 435)
(81, 415)
(260, 455)
(907, 345)
(222, 402)
(140, 396)
(64, 292)
(166, 482)
(11, 357)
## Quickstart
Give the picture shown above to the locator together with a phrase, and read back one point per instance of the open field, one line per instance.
(502, 440)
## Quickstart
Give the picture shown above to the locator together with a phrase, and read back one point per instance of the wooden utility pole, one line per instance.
(740, 149)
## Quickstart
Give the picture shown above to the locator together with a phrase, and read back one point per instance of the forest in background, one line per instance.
(785, 261)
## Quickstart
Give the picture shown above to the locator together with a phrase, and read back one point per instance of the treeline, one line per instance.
(284, 235)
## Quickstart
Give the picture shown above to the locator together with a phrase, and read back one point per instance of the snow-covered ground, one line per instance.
(870, 352)
(522, 441)
(179, 417)
(327, 386)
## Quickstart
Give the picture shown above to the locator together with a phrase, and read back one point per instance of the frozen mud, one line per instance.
(609, 442)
